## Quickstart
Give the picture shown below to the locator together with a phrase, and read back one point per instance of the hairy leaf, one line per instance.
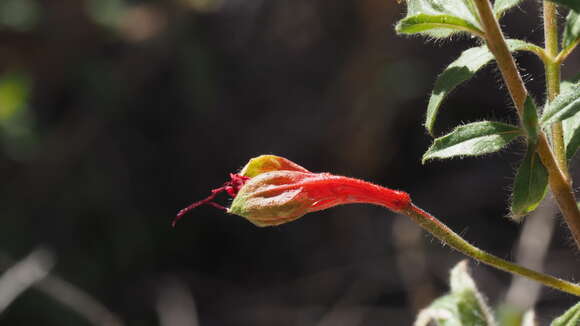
(530, 185)
(530, 120)
(460, 70)
(571, 125)
(562, 107)
(568, 85)
(572, 4)
(572, 30)
(434, 25)
(501, 6)
(570, 318)
(571, 135)
(463, 306)
(473, 139)
(440, 18)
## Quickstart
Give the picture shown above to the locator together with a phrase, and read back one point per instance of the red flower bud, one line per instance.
(272, 190)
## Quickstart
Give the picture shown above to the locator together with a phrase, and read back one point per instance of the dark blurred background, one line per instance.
(114, 114)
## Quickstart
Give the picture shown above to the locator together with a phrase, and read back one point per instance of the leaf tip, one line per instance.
(429, 127)
(426, 157)
(516, 217)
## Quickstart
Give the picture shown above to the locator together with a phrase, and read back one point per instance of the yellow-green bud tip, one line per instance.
(267, 163)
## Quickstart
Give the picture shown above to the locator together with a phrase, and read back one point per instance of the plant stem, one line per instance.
(553, 79)
(559, 183)
(445, 234)
(550, 29)
(498, 46)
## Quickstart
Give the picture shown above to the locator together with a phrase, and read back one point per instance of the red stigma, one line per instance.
(231, 187)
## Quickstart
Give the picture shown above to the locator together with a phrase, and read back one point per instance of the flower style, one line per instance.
(271, 190)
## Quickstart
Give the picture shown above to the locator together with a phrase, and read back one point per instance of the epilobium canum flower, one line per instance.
(271, 190)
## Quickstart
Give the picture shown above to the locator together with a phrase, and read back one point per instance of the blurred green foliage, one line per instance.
(19, 14)
(17, 122)
(106, 12)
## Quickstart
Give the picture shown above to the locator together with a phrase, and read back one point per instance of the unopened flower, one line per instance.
(271, 190)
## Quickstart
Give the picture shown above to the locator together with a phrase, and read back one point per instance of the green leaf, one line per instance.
(569, 318)
(501, 6)
(473, 139)
(434, 25)
(463, 306)
(460, 70)
(562, 107)
(512, 315)
(530, 185)
(529, 318)
(571, 135)
(440, 18)
(571, 125)
(571, 30)
(530, 120)
(568, 85)
(509, 315)
(572, 4)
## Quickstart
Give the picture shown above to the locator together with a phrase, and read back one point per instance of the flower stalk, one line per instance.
(452, 239)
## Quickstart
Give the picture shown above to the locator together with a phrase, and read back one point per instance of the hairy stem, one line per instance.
(559, 182)
(498, 46)
(452, 239)
(553, 79)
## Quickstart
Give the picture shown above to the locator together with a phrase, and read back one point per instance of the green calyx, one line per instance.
(270, 199)
(267, 163)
